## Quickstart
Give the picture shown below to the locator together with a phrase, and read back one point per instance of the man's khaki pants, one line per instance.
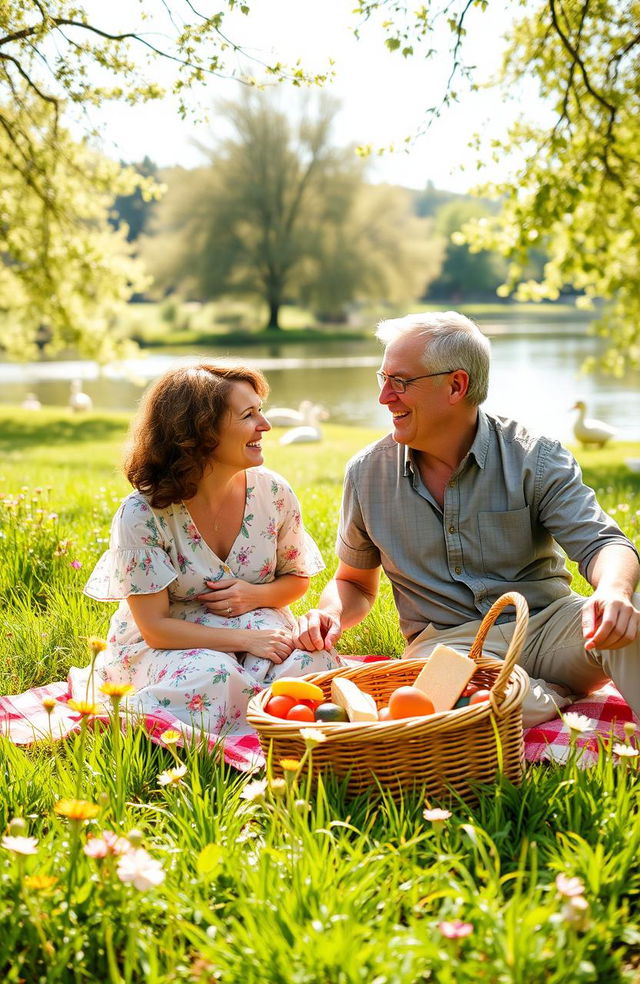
(553, 653)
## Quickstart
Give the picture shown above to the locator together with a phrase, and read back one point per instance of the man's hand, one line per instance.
(609, 621)
(317, 630)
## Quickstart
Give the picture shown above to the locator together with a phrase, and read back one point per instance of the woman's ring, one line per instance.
(229, 610)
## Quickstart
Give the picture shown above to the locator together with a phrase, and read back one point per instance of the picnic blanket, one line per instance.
(24, 720)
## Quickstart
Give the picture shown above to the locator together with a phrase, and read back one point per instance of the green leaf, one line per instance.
(208, 860)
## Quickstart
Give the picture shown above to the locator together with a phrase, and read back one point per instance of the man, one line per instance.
(458, 507)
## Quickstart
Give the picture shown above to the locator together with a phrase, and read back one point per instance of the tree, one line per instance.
(281, 214)
(464, 273)
(134, 210)
(63, 269)
(575, 192)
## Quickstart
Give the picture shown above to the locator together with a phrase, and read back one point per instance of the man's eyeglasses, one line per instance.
(399, 385)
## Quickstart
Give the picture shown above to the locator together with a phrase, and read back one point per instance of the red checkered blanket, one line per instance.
(24, 720)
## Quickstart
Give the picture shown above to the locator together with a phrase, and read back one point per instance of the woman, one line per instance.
(205, 556)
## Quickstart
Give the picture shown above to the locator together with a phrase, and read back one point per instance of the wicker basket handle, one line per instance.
(499, 688)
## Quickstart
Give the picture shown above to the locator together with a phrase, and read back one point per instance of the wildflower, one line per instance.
(40, 883)
(95, 644)
(254, 791)
(135, 838)
(170, 737)
(85, 708)
(436, 816)
(117, 690)
(278, 788)
(629, 728)
(290, 765)
(20, 845)
(569, 887)
(139, 868)
(173, 777)
(108, 843)
(455, 929)
(575, 910)
(76, 809)
(312, 737)
(301, 806)
(76, 564)
(625, 751)
(49, 703)
(577, 723)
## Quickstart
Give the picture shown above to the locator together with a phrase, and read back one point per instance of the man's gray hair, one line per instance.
(452, 341)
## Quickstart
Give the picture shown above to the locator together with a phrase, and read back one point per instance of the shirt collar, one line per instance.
(478, 449)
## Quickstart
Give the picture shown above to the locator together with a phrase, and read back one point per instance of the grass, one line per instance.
(262, 883)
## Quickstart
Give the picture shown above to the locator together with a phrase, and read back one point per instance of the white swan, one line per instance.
(31, 402)
(287, 417)
(591, 431)
(79, 401)
(307, 433)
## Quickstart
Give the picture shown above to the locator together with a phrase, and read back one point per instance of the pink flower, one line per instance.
(197, 703)
(76, 564)
(139, 868)
(456, 929)
(20, 845)
(569, 887)
(109, 843)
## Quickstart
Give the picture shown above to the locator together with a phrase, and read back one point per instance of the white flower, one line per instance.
(20, 845)
(578, 722)
(173, 777)
(254, 791)
(569, 887)
(139, 868)
(575, 910)
(625, 751)
(436, 815)
(312, 737)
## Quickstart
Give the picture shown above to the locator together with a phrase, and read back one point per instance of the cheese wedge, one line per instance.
(358, 705)
(444, 676)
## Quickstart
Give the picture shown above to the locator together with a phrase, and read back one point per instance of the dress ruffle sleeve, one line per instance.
(297, 553)
(137, 561)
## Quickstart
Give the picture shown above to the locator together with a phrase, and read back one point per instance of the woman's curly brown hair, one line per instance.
(176, 429)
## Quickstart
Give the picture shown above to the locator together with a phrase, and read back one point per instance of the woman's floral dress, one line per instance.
(153, 549)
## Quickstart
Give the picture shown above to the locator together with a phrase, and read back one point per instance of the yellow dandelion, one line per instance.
(40, 883)
(96, 645)
(76, 809)
(85, 708)
(117, 690)
(170, 737)
(49, 703)
(290, 765)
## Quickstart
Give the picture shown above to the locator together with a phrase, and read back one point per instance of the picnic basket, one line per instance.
(444, 752)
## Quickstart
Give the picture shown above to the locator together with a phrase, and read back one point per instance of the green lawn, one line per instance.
(270, 884)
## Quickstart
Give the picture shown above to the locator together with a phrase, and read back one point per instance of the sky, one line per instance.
(383, 95)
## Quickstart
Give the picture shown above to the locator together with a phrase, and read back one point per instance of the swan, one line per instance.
(286, 417)
(79, 401)
(31, 402)
(307, 433)
(590, 431)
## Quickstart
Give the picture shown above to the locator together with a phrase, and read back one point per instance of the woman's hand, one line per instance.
(273, 644)
(230, 597)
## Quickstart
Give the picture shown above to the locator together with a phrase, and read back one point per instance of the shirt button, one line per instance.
(452, 529)
(458, 570)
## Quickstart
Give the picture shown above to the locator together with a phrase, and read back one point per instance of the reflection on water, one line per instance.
(536, 377)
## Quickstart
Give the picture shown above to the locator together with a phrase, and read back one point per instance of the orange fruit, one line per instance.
(279, 706)
(300, 712)
(409, 702)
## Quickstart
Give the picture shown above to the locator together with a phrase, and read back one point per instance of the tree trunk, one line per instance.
(274, 312)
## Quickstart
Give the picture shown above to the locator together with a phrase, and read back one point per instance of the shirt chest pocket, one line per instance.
(506, 544)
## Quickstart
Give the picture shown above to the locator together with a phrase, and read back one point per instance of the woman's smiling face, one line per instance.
(240, 437)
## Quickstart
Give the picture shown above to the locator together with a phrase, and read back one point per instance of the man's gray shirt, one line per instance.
(508, 505)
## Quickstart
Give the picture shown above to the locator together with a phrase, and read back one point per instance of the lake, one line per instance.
(536, 377)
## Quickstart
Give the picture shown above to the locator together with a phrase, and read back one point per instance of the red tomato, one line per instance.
(383, 714)
(300, 712)
(310, 703)
(409, 702)
(479, 696)
(279, 706)
(469, 689)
